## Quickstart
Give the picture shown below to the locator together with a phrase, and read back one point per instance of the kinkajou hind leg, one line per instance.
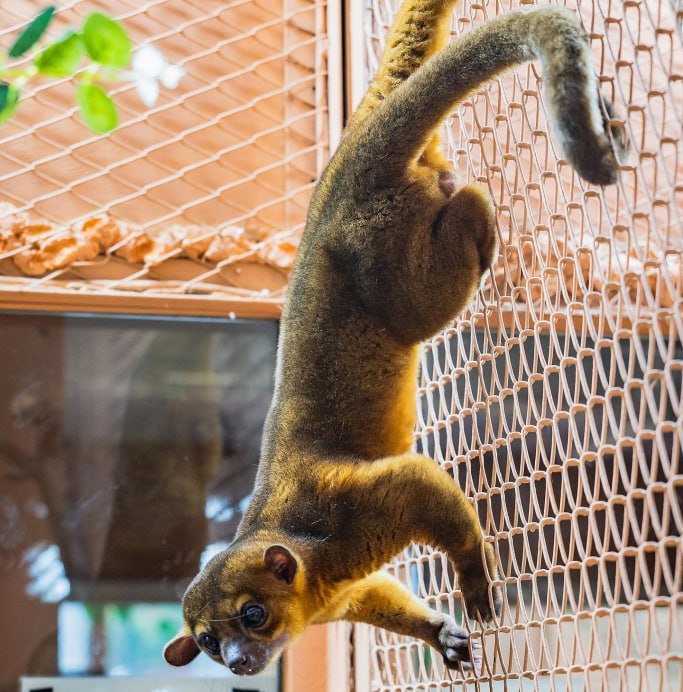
(444, 264)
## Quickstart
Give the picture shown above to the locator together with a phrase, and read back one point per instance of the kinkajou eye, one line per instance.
(253, 615)
(210, 643)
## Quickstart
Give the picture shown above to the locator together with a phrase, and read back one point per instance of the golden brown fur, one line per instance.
(391, 253)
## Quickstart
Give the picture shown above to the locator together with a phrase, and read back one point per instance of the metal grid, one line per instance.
(208, 189)
(556, 401)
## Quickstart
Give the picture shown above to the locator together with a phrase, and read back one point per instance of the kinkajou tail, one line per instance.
(397, 131)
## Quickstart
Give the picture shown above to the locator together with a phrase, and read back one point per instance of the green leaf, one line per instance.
(9, 100)
(31, 33)
(62, 58)
(97, 109)
(106, 41)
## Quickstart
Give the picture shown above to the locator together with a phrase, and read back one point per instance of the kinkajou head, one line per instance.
(243, 609)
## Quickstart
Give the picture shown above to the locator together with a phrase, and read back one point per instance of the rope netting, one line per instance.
(556, 401)
(205, 193)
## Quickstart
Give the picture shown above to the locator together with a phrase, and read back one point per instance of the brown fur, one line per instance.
(391, 253)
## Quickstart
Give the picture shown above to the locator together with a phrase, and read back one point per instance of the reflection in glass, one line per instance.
(128, 449)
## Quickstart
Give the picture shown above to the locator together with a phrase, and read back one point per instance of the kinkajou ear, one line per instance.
(181, 649)
(281, 563)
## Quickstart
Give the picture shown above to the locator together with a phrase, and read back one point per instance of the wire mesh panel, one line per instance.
(204, 193)
(556, 401)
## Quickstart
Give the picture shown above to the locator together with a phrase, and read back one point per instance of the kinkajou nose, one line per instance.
(238, 664)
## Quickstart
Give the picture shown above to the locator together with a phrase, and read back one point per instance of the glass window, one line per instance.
(128, 450)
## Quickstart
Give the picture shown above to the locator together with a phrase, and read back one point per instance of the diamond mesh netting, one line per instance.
(207, 189)
(556, 401)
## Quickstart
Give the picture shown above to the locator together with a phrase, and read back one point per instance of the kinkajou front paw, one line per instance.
(455, 647)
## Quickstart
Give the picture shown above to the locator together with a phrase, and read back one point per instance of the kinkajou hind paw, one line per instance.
(481, 602)
(455, 647)
(478, 601)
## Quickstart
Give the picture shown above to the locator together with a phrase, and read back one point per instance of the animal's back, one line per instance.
(345, 387)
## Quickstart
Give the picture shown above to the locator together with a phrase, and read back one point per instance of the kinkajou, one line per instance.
(393, 250)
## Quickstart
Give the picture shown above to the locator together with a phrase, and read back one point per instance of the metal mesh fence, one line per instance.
(556, 401)
(205, 193)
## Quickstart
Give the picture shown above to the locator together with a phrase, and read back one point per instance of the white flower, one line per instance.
(149, 68)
